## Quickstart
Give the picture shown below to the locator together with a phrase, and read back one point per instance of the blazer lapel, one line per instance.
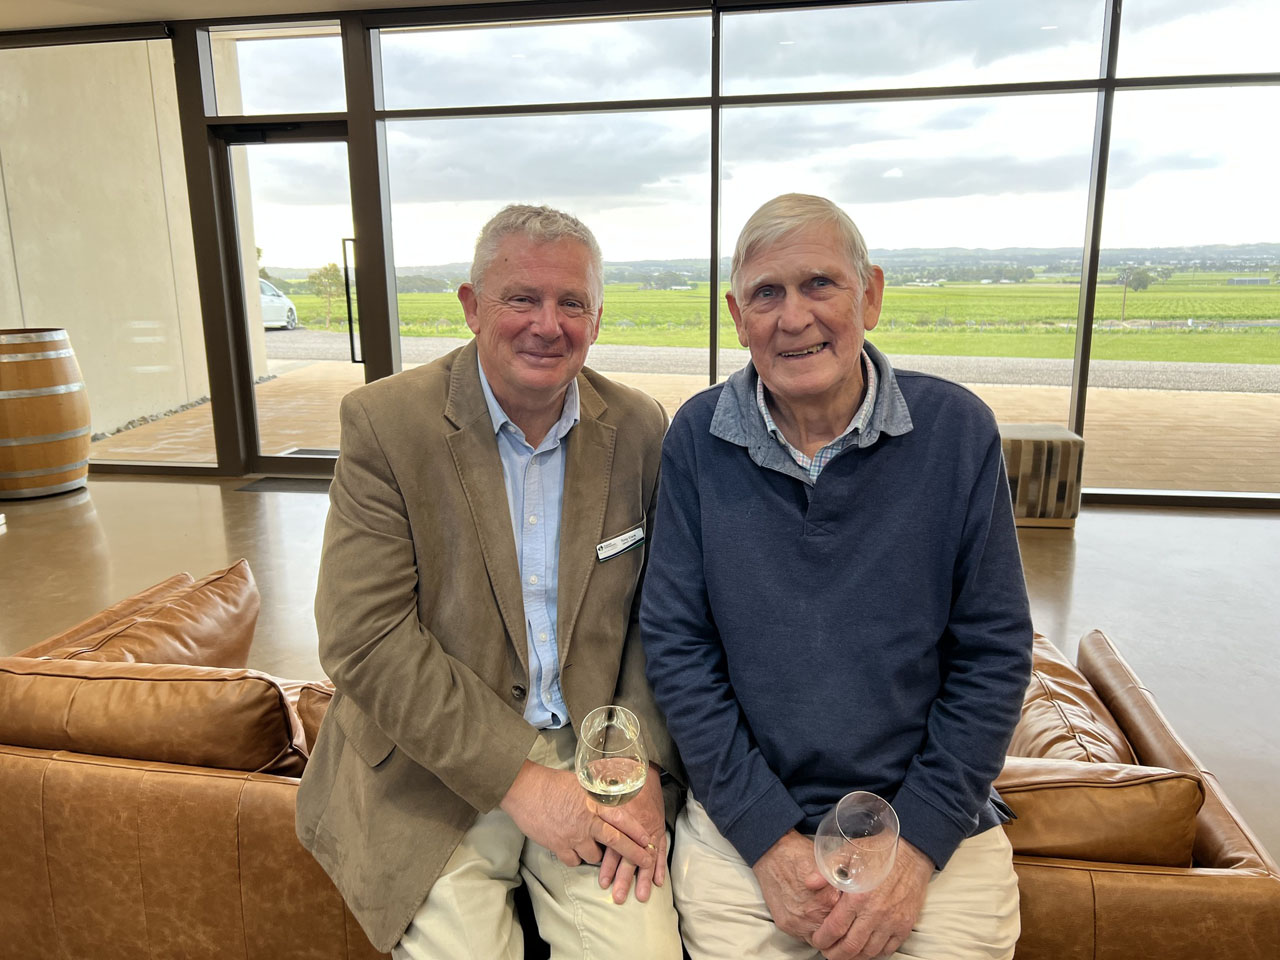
(589, 461)
(475, 456)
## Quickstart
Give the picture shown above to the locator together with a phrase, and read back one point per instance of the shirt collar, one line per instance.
(857, 422)
(737, 420)
(569, 414)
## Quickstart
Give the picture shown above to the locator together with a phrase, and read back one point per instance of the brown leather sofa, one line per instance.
(147, 785)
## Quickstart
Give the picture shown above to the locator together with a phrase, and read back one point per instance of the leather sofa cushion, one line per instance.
(1108, 812)
(206, 622)
(178, 583)
(1063, 718)
(198, 716)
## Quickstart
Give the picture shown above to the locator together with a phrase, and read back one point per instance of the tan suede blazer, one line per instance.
(422, 626)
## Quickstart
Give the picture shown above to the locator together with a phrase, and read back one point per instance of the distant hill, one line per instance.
(1226, 256)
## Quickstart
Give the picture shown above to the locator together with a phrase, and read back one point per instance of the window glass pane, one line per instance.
(911, 45)
(1184, 388)
(1176, 37)
(280, 68)
(975, 210)
(561, 62)
(638, 180)
(96, 239)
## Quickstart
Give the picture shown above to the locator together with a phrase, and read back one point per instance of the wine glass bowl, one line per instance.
(610, 759)
(857, 842)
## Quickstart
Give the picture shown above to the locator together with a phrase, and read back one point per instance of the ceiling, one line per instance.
(16, 15)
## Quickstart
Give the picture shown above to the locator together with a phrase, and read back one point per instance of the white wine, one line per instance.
(612, 780)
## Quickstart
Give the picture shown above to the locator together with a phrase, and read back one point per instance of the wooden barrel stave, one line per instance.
(44, 415)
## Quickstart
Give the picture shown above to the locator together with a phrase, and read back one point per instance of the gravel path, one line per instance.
(301, 344)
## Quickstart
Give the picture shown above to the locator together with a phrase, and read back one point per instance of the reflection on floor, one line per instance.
(1189, 595)
(1136, 439)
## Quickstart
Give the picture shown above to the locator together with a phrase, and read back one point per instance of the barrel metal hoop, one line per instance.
(39, 336)
(43, 471)
(44, 438)
(41, 491)
(41, 391)
(44, 355)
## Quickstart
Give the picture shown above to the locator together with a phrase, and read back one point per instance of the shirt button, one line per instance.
(533, 519)
(543, 636)
(533, 578)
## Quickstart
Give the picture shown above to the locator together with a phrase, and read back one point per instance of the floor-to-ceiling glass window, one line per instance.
(637, 176)
(1184, 385)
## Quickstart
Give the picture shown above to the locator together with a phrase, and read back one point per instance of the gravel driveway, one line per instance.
(301, 344)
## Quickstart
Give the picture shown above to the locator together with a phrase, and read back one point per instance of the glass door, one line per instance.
(295, 246)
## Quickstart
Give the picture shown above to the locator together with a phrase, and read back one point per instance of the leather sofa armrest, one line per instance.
(1222, 838)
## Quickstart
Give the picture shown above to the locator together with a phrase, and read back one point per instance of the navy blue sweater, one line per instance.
(869, 631)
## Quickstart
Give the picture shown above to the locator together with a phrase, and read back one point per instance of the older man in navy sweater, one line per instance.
(834, 602)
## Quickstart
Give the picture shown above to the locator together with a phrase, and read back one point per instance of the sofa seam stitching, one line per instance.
(48, 871)
(244, 926)
(142, 879)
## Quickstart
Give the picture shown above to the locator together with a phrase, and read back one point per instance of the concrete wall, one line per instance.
(96, 232)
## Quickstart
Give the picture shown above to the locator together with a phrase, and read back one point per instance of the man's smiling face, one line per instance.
(804, 315)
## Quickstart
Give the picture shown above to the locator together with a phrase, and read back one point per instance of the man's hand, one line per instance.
(865, 925)
(649, 809)
(796, 908)
(551, 808)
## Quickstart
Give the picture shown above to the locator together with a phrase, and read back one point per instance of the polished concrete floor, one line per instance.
(1189, 596)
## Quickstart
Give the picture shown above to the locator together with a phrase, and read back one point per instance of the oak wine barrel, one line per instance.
(44, 415)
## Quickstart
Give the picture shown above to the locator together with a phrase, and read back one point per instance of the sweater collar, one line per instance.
(737, 418)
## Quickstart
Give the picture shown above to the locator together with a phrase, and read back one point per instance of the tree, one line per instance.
(1133, 278)
(327, 282)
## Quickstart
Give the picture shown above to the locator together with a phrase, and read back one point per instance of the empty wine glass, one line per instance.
(857, 842)
(610, 760)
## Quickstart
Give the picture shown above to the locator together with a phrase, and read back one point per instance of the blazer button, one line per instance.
(518, 691)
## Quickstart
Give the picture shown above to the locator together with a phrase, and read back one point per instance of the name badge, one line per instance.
(620, 544)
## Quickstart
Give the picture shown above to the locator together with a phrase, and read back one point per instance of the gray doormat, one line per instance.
(286, 485)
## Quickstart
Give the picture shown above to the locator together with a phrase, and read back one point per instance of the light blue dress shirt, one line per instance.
(535, 491)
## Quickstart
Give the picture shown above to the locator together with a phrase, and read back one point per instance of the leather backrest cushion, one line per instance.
(178, 583)
(199, 716)
(1107, 812)
(209, 623)
(313, 703)
(1062, 716)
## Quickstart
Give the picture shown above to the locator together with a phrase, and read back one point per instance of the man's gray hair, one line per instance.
(786, 214)
(541, 225)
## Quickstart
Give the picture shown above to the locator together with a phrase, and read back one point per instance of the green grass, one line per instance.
(1033, 319)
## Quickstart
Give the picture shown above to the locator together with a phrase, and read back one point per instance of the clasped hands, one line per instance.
(628, 841)
(841, 926)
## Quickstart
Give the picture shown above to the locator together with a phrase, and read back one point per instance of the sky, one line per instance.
(1187, 166)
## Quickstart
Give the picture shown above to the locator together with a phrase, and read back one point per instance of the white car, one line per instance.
(277, 309)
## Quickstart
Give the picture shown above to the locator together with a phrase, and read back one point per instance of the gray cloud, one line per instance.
(287, 76)
(633, 157)
(663, 58)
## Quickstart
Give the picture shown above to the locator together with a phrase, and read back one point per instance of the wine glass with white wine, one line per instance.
(610, 760)
(857, 842)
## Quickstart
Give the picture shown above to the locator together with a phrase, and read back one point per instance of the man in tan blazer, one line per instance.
(475, 602)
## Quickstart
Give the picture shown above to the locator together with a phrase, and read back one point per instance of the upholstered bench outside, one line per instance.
(1044, 461)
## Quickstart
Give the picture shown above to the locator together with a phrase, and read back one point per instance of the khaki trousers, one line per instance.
(470, 913)
(970, 911)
